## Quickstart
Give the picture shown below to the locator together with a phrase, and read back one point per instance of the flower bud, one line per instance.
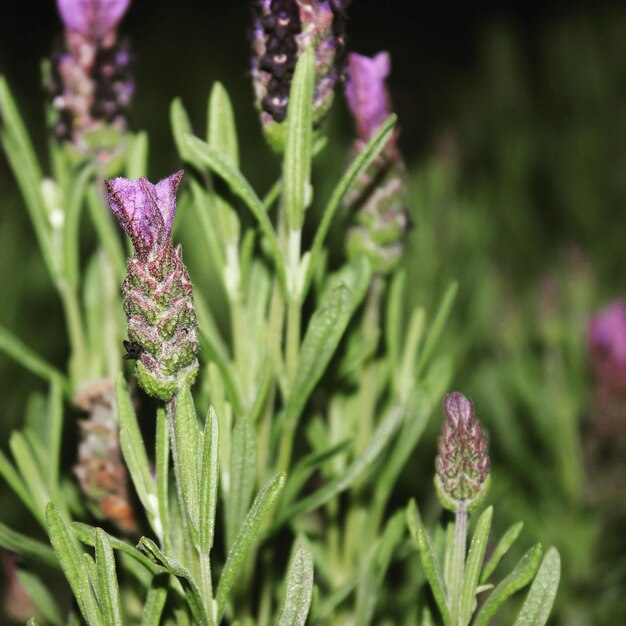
(91, 84)
(283, 30)
(463, 461)
(157, 291)
(378, 198)
(101, 471)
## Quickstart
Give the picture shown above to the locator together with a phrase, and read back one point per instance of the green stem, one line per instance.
(294, 313)
(76, 332)
(458, 563)
(206, 584)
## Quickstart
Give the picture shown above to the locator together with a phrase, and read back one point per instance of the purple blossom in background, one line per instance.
(91, 84)
(607, 333)
(366, 91)
(92, 18)
(146, 211)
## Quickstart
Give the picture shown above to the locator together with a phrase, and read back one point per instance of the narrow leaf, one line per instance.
(209, 478)
(41, 597)
(221, 131)
(299, 588)
(297, 161)
(107, 580)
(249, 529)
(508, 539)
(538, 604)
(190, 587)
(242, 477)
(430, 563)
(474, 563)
(155, 601)
(521, 575)
(25, 546)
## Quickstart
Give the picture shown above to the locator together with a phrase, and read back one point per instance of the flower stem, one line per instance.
(458, 563)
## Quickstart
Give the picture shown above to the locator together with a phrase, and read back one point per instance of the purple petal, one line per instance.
(92, 18)
(458, 409)
(367, 93)
(607, 331)
(146, 211)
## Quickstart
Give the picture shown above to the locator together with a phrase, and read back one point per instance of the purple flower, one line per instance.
(367, 93)
(146, 211)
(92, 18)
(607, 333)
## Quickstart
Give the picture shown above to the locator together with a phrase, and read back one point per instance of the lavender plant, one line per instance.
(278, 509)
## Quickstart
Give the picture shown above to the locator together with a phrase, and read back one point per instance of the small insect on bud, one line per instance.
(157, 291)
(463, 461)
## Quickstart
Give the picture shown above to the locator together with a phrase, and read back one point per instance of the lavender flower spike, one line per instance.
(463, 460)
(367, 93)
(157, 291)
(92, 18)
(378, 198)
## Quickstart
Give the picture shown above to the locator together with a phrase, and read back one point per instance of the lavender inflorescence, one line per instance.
(378, 198)
(283, 30)
(463, 461)
(157, 291)
(91, 83)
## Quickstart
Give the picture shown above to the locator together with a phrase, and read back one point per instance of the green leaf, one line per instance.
(221, 131)
(209, 478)
(508, 539)
(430, 563)
(538, 604)
(521, 575)
(474, 562)
(299, 588)
(135, 455)
(41, 597)
(371, 579)
(186, 446)
(31, 473)
(204, 155)
(380, 440)
(32, 622)
(324, 332)
(54, 435)
(181, 127)
(137, 155)
(357, 167)
(87, 535)
(242, 477)
(155, 601)
(438, 324)
(298, 155)
(107, 580)
(190, 587)
(17, 350)
(72, 563)
(247, 533)
(25, 546)
(14, 480)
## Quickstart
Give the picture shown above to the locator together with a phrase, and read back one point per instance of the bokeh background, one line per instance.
(513, 120)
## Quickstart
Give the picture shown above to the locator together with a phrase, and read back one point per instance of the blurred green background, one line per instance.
(513, 124)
